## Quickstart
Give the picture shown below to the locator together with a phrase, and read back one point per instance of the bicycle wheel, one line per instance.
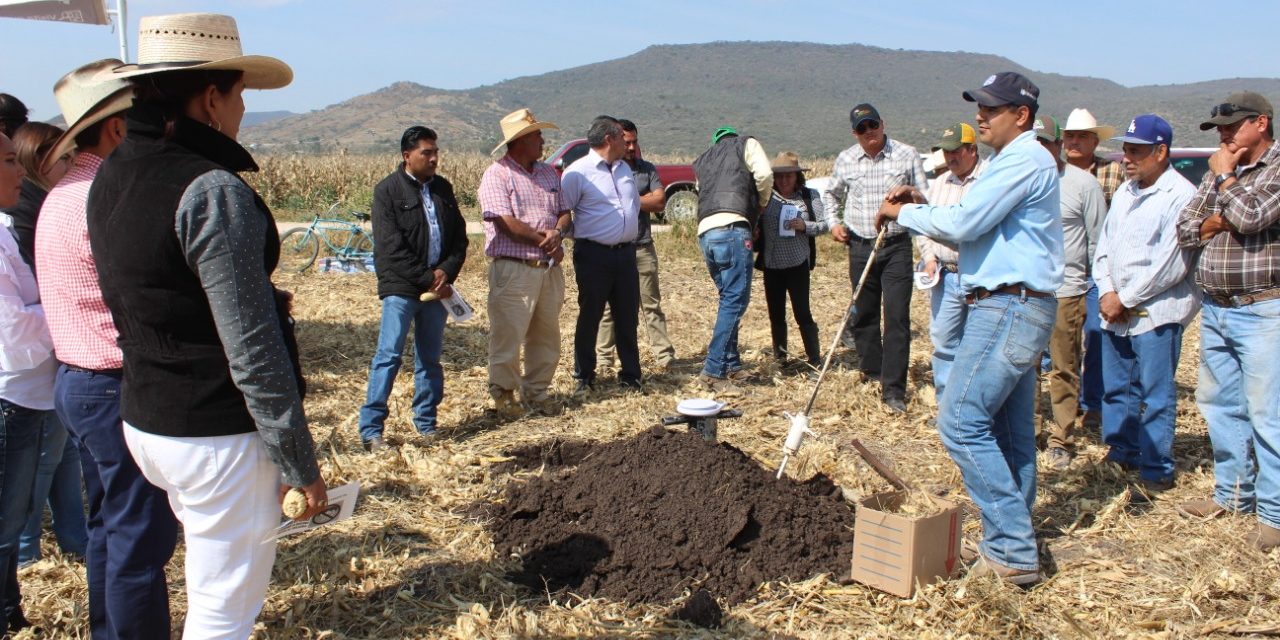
(363, 245)
(298, 250)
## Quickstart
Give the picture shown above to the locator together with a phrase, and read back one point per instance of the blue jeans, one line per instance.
(427, 318)
(132, 530)
(58, 481)
(1140, 399)
(1091, 375)
(20, 431)
(947, 312)
(727, 252)
(1239, 367)
(986, 419)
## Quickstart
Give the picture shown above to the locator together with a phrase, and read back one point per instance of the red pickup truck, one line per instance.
(677, 181)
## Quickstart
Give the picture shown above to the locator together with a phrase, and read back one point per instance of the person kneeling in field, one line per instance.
(420, 243)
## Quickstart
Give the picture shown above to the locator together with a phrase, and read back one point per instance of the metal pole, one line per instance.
(121, 14)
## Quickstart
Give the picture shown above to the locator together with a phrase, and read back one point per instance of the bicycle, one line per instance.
(299, 247)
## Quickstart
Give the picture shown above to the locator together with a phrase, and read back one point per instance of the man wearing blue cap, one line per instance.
(1146, 299)
(1009, 234)
(735, 179)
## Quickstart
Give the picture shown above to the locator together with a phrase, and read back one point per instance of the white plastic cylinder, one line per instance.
(795, 436)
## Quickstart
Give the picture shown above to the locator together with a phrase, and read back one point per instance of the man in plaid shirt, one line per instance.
(1233, 221)
(524, 222)
(864, 174)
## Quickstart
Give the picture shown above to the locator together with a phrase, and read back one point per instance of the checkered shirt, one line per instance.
(84, 334)
(1110, 175)
(533, 198)
(860, 182)
(1247, 260)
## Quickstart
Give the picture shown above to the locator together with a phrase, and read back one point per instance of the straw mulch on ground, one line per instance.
(415, 563)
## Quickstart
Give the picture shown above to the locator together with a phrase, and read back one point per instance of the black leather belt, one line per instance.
(606, 246)
(1018, 289)
(540, 264)
(888, 240)
(105, 372)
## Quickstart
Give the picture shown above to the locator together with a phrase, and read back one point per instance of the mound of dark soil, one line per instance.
(642, 519)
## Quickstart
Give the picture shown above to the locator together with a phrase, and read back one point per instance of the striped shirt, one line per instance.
(859, 183)
(1246, 260)
(1139, 259)
(83, 332)
(532, 197)
(947, 189)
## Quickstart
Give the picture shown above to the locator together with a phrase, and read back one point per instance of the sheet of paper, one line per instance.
(787, 213)
(342, 503)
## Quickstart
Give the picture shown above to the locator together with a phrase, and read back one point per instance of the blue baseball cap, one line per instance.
(1007, 87)
(1148, 129)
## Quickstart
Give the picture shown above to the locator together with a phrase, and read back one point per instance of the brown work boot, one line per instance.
(1264, 537)
(720, 386)
(1019, 577)
(1091, 422)
(1202, 509)
(504, 402)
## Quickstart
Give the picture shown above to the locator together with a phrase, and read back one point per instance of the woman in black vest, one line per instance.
(212, 392)
(787, 253)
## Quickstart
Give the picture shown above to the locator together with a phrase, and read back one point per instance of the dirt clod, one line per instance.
(643, 519)
(701, 609)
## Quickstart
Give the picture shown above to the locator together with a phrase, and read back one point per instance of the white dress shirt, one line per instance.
(27, 365)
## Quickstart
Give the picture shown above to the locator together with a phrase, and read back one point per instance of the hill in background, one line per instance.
(790, 95)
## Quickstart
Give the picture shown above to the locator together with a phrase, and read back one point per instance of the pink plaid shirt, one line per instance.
(534, 198)
(83, 333)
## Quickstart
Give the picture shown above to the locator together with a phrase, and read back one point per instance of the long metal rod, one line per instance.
(121, 14)
(826, 362)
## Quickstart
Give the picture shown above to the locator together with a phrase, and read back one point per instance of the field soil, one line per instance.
(648, 517)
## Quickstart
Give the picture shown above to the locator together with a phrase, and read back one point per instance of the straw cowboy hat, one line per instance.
(1082, 120)
(787, 162)
(87, 97)
(518, 123)
(203, 41)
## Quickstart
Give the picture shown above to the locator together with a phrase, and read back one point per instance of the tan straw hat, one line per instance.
(1082, 120)
(518, 123)
(206, 41)
(787, 162)
(86, 97)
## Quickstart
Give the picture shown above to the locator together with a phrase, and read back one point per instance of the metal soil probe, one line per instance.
(800, 421)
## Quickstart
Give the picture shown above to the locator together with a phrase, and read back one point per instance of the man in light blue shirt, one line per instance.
(1009, 233)
(1146, 299)
(601, 190)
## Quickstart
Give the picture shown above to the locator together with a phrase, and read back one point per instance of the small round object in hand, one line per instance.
(295, 503)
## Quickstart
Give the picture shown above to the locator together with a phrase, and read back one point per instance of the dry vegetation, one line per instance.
(412, 564)
(297, 187)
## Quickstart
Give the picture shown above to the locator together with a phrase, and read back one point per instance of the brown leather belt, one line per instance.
(540, 264)
(951, 266)
(1018, 289)
(1225, 300)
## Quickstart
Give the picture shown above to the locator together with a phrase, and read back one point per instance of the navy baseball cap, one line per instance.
(1006, 87)
(1147, 129)
(863, 113)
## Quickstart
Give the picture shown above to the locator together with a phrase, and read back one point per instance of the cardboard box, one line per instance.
(894, 552)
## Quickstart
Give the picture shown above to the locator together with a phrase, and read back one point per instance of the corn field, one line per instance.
(297, 186)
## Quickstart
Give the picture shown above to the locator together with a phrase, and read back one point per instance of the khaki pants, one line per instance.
(655, 321)
(1064, 378)
(524, 310)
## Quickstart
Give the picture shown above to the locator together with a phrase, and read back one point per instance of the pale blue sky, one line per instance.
(342, 48)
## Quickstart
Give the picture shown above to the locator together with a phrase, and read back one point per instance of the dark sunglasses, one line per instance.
(1228, 109)
(868, 125)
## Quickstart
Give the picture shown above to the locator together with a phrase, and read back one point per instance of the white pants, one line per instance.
(224, 491)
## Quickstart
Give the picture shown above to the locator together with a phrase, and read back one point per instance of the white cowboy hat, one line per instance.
(206, 41)
(1082, 120)
(518, 123)
(87, 97)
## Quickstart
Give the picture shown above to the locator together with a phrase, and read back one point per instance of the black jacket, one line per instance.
(401, 235)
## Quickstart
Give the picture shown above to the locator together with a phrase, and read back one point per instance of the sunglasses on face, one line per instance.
(869, 125)
(1228, 109)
